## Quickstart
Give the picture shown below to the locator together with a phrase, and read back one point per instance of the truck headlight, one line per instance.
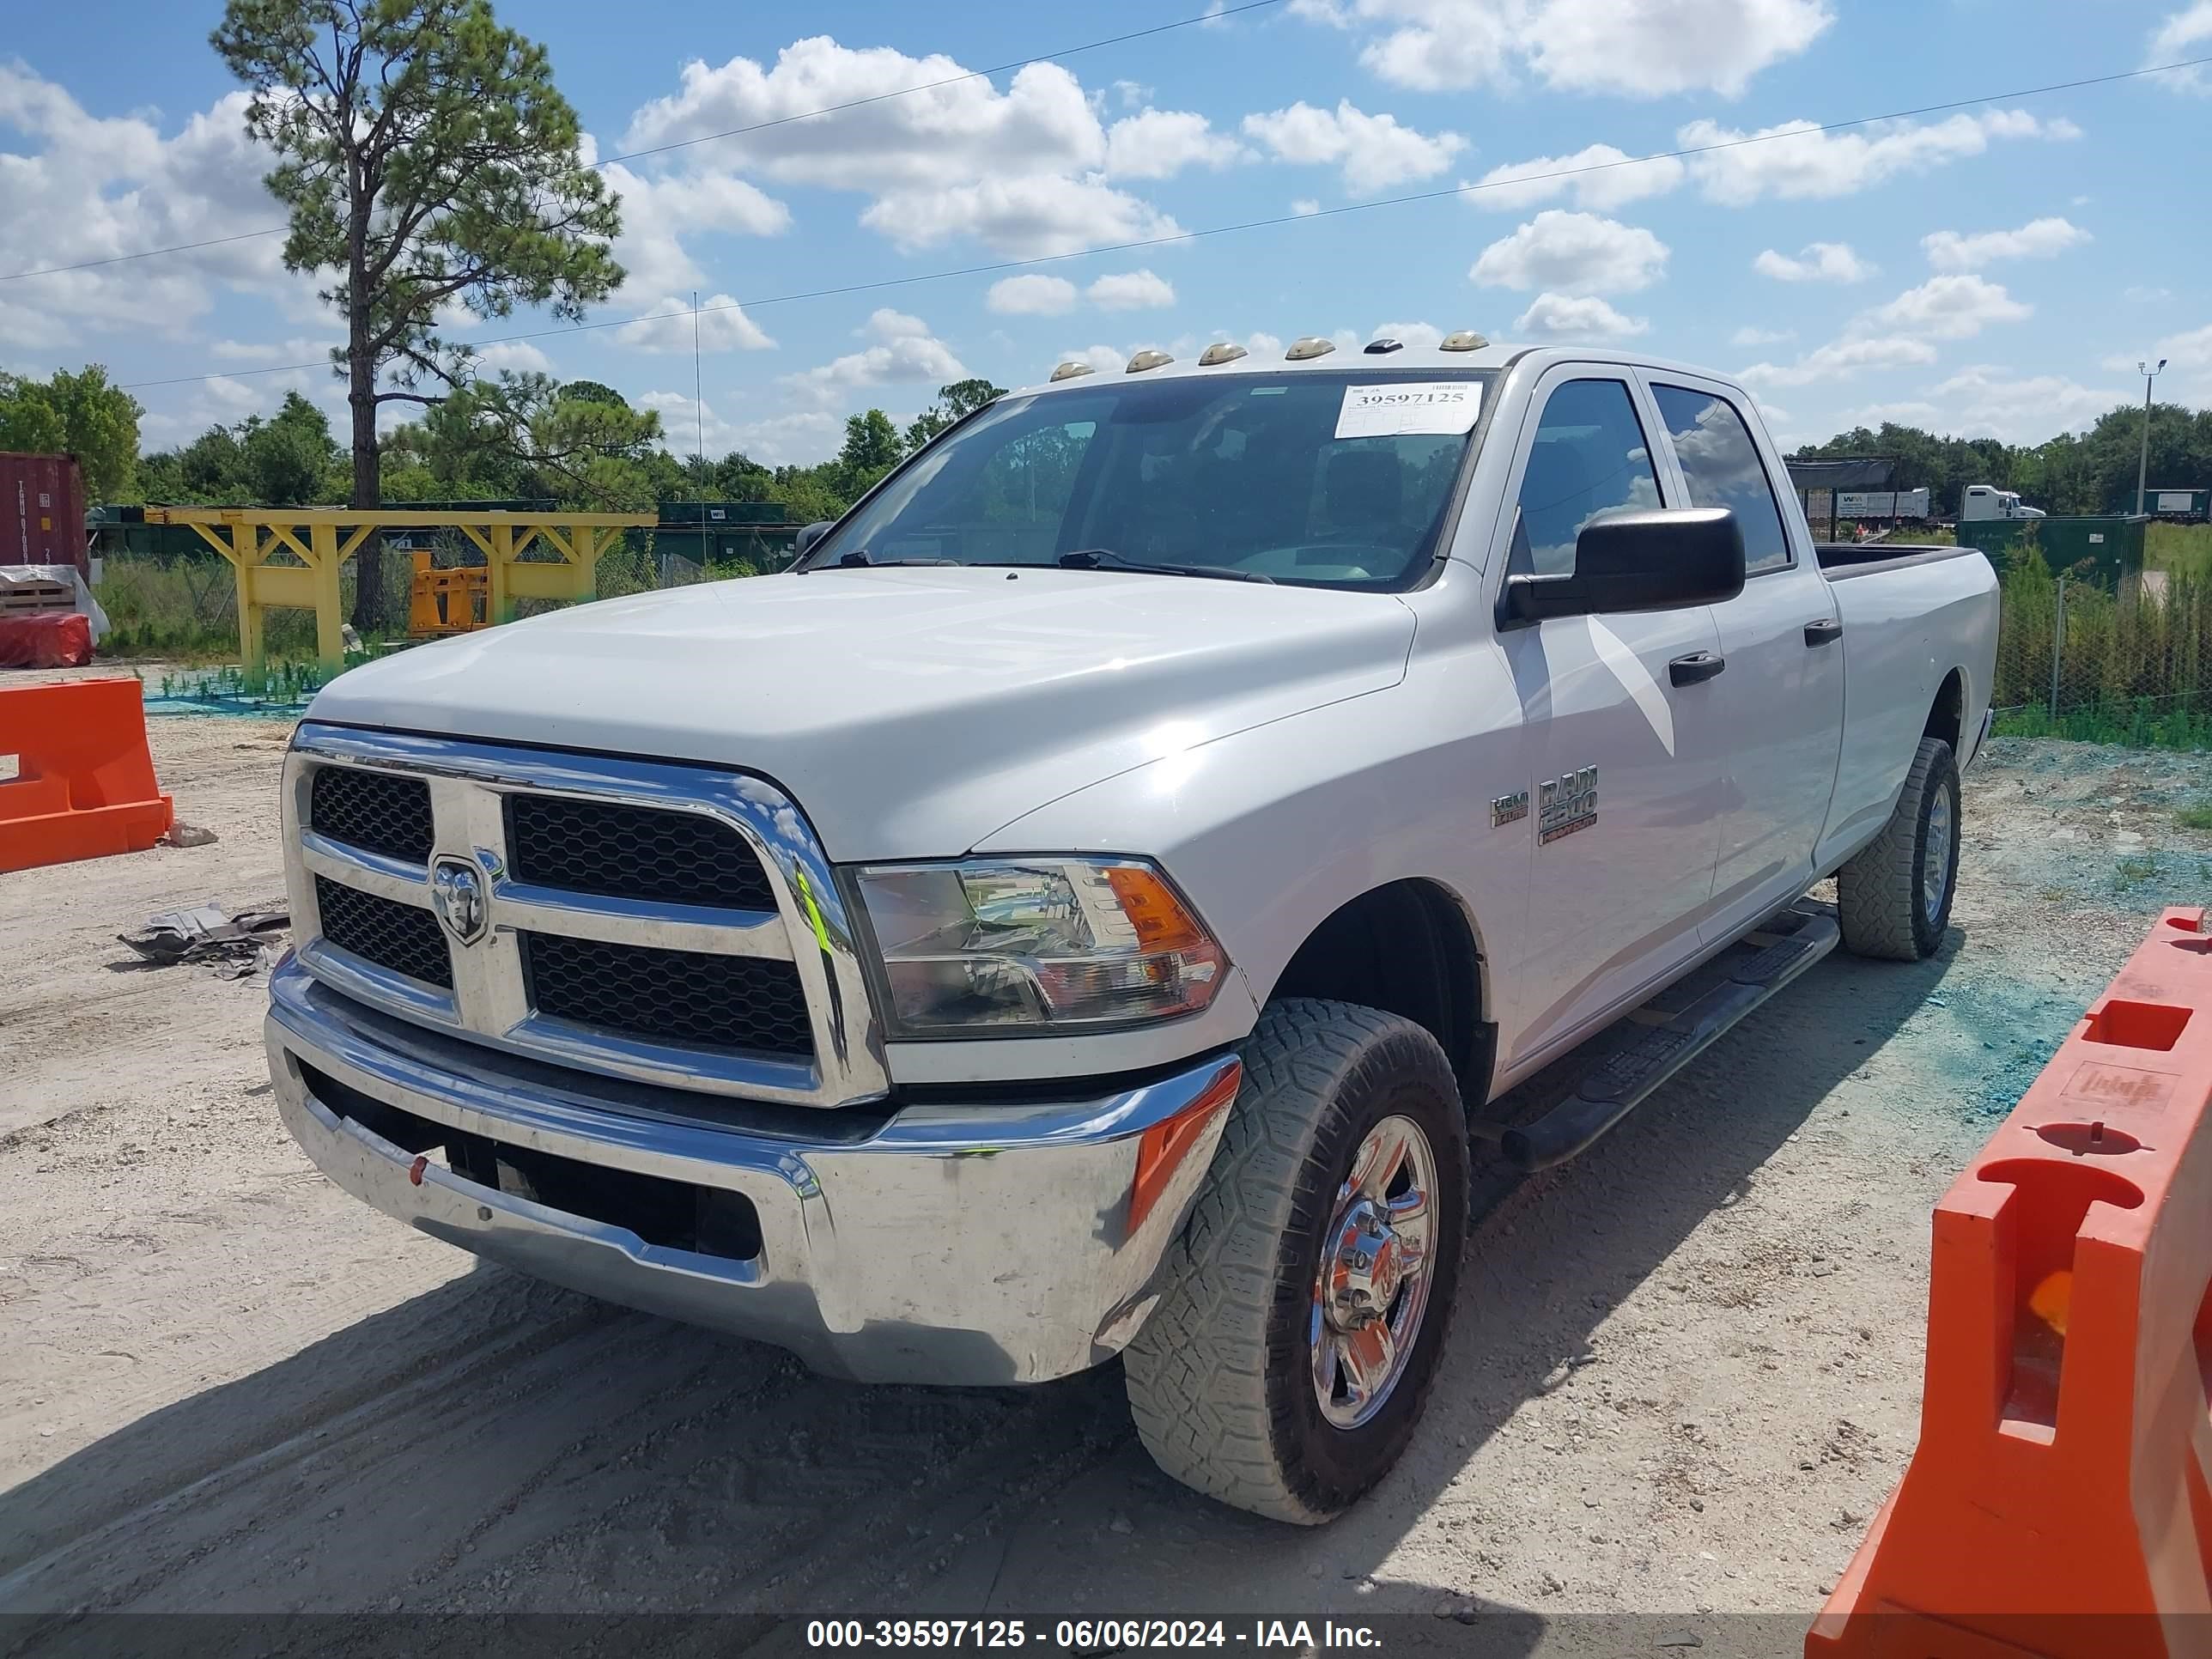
(1004, 946)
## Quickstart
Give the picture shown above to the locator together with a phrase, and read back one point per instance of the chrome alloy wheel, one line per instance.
(1936, 855)
(1373, 1284)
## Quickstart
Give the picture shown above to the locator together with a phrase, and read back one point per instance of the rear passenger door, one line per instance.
(1624, 834)
(1780, 698)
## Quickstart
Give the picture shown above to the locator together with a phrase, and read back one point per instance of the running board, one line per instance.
(1615, 1087)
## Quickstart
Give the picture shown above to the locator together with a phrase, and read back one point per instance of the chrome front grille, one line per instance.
(673, 996)
(376, 811)
(403, 938)
(673, 924)
(633, 852)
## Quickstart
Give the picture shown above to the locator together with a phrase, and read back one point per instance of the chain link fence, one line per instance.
(2130, 665)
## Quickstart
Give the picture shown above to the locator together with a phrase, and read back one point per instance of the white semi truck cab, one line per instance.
(1090, 905)
(1987, 501)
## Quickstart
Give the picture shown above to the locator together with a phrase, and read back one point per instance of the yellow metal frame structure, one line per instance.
(323, 538)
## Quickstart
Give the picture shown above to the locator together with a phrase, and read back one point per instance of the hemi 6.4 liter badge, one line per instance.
(1508, 809)
(1566, 803)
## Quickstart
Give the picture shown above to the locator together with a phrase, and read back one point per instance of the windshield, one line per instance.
(1328, 479)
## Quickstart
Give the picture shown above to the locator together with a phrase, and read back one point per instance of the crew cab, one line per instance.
(1089, 905)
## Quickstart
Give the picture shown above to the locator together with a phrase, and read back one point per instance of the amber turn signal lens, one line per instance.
(1153, 910)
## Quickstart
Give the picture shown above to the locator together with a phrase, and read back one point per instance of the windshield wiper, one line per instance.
(1101, 558)
(858, 559)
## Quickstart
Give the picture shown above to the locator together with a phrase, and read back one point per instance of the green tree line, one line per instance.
(2084, 472)
(578, 444)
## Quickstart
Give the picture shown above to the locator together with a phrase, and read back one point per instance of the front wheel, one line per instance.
(1303, 1305)
(1893, 898)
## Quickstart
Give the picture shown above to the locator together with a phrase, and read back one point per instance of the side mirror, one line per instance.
(1651, 559)
(811, 534)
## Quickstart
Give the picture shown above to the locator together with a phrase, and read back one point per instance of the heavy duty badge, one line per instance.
(1566, 803)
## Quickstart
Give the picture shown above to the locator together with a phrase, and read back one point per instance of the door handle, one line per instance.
(1826, 631)
(1697, 667)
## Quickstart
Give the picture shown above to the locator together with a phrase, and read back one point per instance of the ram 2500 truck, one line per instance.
(1089, 905)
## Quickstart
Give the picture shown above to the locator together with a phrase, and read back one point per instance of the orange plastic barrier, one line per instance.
(84, 785)
(2060, 1500)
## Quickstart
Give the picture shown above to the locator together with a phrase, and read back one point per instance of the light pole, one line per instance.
(2142, 465)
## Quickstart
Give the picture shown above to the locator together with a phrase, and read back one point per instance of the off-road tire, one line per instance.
(1220, 1378)
(1879, 893)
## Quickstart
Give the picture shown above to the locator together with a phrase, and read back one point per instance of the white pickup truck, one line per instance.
(1089, 905)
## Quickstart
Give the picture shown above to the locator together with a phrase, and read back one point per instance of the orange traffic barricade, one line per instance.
(2059, 1503)
(84, 783)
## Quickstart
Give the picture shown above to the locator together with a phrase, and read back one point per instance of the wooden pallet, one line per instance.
(30, 598)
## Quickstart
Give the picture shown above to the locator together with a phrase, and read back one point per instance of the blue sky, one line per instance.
(1993, 270)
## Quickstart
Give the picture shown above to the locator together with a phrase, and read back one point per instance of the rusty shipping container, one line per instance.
(42, 511)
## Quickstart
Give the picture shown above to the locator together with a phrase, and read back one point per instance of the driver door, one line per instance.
(1625, 807)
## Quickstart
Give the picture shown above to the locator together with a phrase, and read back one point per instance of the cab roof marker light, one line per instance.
(1224, 353)
(1465, 340)
(1378, 347)
(1068, 371)
(1312, 346)
(1144, 359)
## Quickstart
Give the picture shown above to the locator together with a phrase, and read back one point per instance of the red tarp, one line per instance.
(59, 639)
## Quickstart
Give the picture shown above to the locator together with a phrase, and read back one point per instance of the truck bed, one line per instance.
(1841, 560)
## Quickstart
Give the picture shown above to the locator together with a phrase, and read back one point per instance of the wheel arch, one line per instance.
(1946, 716)
(1412, 947)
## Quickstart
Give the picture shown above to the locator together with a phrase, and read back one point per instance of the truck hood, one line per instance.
(909, 712)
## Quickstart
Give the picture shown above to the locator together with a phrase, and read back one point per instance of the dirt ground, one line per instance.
(1684, 1371)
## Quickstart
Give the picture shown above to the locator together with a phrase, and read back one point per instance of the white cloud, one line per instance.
(294, 351)
(1374, 150)
(904, 352)
(515, 356)
(1031, 296)
(1817, 261)
(1586, 45)
(1414, 336)
(1750, 336)
(722, 326)
(1305, 207)
(1796, 161)
(1023, 170)
(2140, 294)
(1840, 360)
(797, 439)
(2039, 238)
(1023, 216)
(658, 212)
(1948, 308)
(1131, 291)
(1573, 253)
(1987, 402)
(1599, 176)
(95, 188)
(951, 133)
(1159, 143)
(2189, 354)
(1560, 317)
(2182, 36)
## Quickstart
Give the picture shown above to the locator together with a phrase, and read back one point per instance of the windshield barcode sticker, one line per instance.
(1407, 406)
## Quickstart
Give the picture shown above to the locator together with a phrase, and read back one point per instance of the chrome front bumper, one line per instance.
(948, 1244)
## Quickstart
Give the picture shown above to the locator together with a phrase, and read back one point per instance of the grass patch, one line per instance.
(2195, 817)
(2184, 547)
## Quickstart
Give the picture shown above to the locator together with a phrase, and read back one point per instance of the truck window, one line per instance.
(1589, 458)
(1253, 472)
(1721, 465)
